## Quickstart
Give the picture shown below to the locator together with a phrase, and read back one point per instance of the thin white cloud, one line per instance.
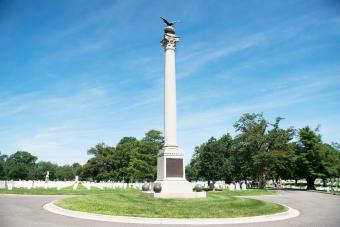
(200, 55)
(277, 99)
(97, 17)
(201, 58)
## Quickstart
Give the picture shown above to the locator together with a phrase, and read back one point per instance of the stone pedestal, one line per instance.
(171, 176)
(170, 164)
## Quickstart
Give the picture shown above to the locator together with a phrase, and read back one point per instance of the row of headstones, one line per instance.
(288, 184)
(64, 184)
(119, 185)
(101, 185)
(223, 185)
(317, 181)
(35, 184)
(111, 185)
(328, 188)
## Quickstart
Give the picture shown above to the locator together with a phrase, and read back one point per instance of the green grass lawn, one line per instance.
(131, 203)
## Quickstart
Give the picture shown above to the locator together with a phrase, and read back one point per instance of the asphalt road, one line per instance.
(316, 209)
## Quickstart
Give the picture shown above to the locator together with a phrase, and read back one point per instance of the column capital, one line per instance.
(169, 41)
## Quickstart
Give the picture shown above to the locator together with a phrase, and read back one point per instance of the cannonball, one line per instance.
(157, 188)
(145, 187)
(198, 188)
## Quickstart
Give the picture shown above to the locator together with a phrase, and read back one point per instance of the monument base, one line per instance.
(172, 189)
(191, 195)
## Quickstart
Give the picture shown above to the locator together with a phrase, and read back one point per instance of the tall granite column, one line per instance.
(170, 161)
(169, 44)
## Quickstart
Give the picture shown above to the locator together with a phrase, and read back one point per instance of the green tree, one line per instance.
(99, 167)
(130, 160)
(143, 163)
(250, 141)
(19, 164)
(76, 168)
(332, 161)
(101, 149)
(192, 169)
(64, 172)
(40, 169)
(211, 160)
(3, 158)
(126, 149)
(225, 144)
(262, 149)
(155, 137)
(314, 159)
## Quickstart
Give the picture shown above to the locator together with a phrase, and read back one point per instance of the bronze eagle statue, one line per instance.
(167, 22)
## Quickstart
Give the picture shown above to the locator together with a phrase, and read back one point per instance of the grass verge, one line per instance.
(131, 203)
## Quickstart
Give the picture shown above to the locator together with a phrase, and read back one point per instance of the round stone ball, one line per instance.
(198, 188)
(157, 188)
(145, 187)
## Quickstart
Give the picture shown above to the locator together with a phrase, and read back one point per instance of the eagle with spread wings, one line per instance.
(167, 22)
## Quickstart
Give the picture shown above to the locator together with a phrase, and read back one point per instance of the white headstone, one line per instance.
(87, 185)
(244, 186)
(2, 184)
(75, 186)
(231, 187)
(9, 185)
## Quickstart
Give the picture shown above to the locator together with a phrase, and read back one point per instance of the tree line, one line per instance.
(22, 165)
(262, 150)
(259, 151)
(130, 160)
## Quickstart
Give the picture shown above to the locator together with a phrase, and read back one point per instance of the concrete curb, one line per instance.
(291, 213)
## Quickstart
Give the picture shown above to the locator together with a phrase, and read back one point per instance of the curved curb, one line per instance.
(291, 213)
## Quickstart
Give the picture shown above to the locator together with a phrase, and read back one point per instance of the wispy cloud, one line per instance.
(280, 98)
(101, 16)
(202, 54)
(11, 105)
(191, 63)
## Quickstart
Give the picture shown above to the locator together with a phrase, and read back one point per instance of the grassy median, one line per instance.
(131, 203)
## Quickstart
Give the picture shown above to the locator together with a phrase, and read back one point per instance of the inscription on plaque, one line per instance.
(174, 167)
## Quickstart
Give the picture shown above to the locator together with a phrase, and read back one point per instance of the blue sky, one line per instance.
(75, 73)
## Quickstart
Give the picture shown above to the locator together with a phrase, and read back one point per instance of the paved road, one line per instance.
(316, 209)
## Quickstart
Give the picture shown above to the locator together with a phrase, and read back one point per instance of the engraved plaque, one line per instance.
(174, 167)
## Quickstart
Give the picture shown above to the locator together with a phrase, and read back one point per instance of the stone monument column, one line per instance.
(170, 161)
(169, 44)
